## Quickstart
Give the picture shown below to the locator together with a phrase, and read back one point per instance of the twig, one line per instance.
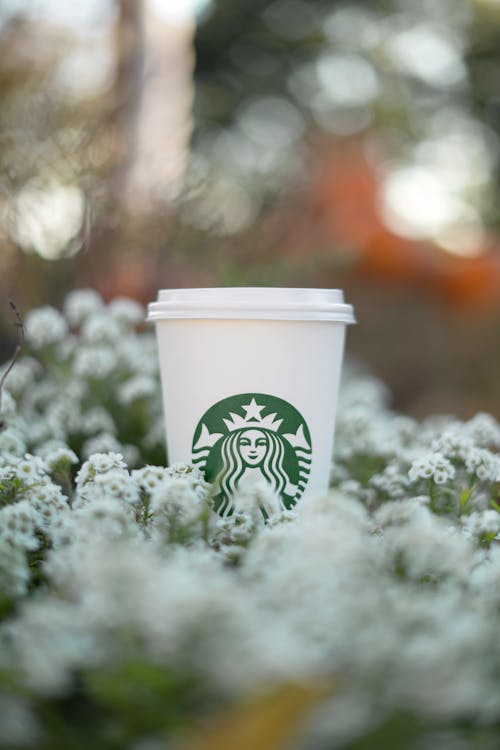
(17, 351)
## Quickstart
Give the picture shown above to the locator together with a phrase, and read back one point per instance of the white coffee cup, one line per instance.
(250, 381)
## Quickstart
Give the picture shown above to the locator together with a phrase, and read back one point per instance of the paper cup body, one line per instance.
(250, 383)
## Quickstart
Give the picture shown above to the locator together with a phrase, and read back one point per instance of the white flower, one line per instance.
(99, 463)
(141, 386)
(62, 528)
(127, 311)
(138, 354)
(104, 516)
(484, 464)
(45, 326)
(7, 406)
(100, 328)
(193, 475)
(7, 472)
(22, 374)
(453, 442)
(150, 477)
(480, 524)
(117, 484)
(433, 465)
(284, 516)
(66, 349)
(94, 361)
(31, 469)
(403, 512)
(131, 454)
(48, 501)
(238, 528)
(60, 459)
(12, 441)
(96, 420)
(484, 430)
(18, 525)
(255, 496)
(177, 501)
(391, 482)
(103, 443)
(81, 303)
(14, 570)
(50, 446)
(106, 461)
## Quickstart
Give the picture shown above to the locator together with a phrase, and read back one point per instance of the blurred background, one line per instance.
(149, 143)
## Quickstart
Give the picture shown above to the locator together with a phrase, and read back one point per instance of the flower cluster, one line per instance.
(129, 609)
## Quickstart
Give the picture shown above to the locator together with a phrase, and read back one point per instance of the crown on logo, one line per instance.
(253, 418)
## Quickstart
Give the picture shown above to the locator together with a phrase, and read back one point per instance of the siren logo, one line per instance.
(253, 436)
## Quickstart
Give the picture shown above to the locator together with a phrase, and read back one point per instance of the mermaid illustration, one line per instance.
(251, 450)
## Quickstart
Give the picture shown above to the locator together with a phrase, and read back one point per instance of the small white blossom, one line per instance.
(480, 524)
(99, 463)
(453, 442)
(81, 303)
(391, 482)
(18, 525)
(192, 475)
(131, 454)
(177, 501)
(12, 441)
(22, 374)
(432, 465)
(14, 570)
(117, 484)
(150, 477)
(284, 516)
(484, 430)
(62, 528)
(238, 528)
(105, 516)
(96, 420)
(60, 459)
(45, 326)
(7, 406)
(253, 497)
(94, 361)
(48, 501)
(484, 464)
(138, 355)
(139, 387)
(100, 328)
(50, 446)
(127, 311)
(103, 443)
(66, 349)
(31, 469)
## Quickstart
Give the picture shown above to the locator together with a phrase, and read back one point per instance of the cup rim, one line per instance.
(251, 303)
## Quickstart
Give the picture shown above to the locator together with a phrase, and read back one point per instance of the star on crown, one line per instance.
(252, 418)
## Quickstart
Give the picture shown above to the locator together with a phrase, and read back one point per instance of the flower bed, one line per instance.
(130, 610)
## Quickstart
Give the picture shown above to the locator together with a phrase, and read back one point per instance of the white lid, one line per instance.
(251, 303)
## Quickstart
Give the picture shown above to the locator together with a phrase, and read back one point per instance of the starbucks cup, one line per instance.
(250, 382)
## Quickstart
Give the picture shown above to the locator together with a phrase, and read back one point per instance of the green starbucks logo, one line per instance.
(253, 436)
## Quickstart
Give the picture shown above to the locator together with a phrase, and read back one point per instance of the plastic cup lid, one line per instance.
(251, 303)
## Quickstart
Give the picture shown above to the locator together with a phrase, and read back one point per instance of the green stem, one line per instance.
(433, 494)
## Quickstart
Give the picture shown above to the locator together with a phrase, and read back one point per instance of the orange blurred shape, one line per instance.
(345, 198)
(473, 283)
(394, 258)
(128, 277)
(266, 722)
(345, 193)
